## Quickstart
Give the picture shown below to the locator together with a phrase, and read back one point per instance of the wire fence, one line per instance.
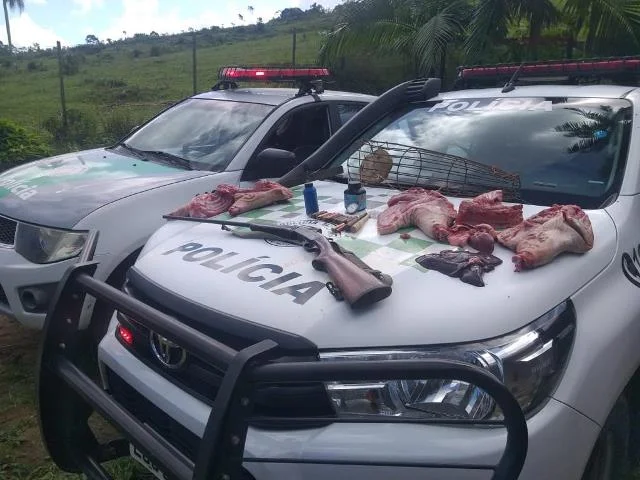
(88, 125)
(194, 73)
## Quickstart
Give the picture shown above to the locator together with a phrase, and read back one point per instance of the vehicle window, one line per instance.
(301, 131)
(206, 132)
(348, 110)
(562, 149)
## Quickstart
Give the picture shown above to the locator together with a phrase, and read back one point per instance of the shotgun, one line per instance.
(357, 283)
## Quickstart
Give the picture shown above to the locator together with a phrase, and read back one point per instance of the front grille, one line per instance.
(146, 412)
(203, 380)
(7, 231)
(194, 376)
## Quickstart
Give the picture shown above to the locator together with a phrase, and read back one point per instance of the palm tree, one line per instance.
(419, 29)
(605, 23)
(492, 18)
(591, 129)
(11, 5)
(586, 129)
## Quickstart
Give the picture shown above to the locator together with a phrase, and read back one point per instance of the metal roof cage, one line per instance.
(403, 166)
(68, 394)
(615, 70)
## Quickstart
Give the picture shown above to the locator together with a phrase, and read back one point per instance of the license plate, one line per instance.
(146, 462)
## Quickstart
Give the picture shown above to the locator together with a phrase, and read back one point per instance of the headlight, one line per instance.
(529, 362)
(48, 245)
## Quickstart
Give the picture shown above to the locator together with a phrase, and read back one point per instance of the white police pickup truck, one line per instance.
(230, 357)
(227, 135)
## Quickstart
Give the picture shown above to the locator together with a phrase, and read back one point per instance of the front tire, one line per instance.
(610, 456)
(101, 314)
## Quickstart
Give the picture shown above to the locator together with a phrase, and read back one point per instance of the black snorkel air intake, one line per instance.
(418, 90)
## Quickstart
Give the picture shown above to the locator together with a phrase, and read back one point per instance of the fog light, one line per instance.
(36, 298)
(125, 335)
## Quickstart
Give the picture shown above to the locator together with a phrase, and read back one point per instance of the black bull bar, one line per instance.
(68, 393)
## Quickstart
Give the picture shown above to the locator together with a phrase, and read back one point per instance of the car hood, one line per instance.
(60, 191)
(274, 284)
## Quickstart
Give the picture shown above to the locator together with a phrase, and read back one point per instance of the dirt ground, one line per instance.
(22, 454)
(20, 446)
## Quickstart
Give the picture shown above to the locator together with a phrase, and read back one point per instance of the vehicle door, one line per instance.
(301, 131)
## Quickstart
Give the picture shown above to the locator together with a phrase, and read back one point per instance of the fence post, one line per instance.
(293, 53)
(193, 44)
(62, 98)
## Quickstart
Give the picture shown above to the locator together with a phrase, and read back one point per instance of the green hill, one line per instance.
(112, 86)
(127, 81)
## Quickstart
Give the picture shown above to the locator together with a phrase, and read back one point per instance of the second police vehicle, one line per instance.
(230, 354)
(230, 134)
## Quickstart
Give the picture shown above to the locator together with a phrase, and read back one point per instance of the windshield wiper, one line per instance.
(169, 157)
(133, 150)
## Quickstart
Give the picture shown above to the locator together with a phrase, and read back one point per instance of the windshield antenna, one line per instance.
(510, 85)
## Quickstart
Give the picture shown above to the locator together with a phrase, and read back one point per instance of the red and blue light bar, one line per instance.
(559, 67)
(272, 74)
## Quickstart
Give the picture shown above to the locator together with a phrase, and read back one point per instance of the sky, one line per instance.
(70, 21)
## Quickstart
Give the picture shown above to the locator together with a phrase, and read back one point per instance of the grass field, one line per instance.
(131, 81)
(22, 455)
(115, 87)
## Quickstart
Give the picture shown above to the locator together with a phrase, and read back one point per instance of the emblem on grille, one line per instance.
(166, 352)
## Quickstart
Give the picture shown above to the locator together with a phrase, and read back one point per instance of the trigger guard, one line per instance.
(309, 247)
(317, 265)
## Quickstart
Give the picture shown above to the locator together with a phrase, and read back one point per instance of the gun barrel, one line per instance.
(231, 223)
(358, 285)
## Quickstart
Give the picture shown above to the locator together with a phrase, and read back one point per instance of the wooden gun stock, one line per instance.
(358, 287)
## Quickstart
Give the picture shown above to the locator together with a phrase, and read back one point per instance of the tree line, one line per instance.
(426, 32)
(249, 25)
(425, 37)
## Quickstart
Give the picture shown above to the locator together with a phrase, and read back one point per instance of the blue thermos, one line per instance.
(310, 198)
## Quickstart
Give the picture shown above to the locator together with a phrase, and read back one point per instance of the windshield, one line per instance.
(207, 133)
(560, 150)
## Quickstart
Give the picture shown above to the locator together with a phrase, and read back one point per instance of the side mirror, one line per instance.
(276, 156)
(270, 163)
